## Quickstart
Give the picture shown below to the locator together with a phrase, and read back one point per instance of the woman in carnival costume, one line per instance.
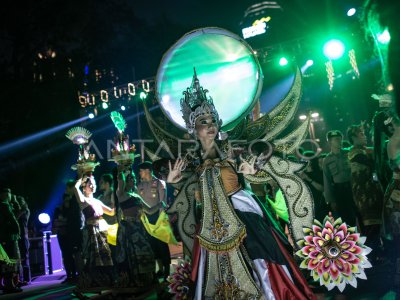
(97, 269)
(239, 252)
(136, 264)
(387, 142)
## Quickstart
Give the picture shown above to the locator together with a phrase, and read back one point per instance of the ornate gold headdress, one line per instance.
(196, 104)
(123, 153)
(86, 161)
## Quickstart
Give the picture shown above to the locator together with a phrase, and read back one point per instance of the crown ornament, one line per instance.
(86, 162)
(196, 104)
(123, 154)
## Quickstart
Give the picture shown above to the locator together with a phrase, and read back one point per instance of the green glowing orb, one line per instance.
(226, 66)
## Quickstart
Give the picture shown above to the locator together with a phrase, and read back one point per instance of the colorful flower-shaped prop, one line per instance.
(179, 281)
(334, 253)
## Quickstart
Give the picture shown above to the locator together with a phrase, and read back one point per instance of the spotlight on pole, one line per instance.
(104, 105)
(302, 117)
(334, 49)
(351, 12)
(123, 107)
(44, 218)
(91, 115)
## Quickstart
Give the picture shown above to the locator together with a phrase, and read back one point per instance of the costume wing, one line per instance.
(289, 143)
(297, 195)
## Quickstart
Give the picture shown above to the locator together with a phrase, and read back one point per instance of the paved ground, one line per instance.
(376, 287)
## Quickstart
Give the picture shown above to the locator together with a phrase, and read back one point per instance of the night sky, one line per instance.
(129, 37)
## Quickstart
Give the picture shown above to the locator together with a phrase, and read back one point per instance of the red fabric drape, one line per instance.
(282, 286)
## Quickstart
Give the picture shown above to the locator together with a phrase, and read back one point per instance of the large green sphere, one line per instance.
(226, 66)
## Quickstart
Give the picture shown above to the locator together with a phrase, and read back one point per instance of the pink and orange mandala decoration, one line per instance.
(334, 253)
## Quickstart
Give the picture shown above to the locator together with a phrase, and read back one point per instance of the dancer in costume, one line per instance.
(96, 252)
(134, 256)
(367, 192)
(387, 126)
(97, 270)
(238, 252)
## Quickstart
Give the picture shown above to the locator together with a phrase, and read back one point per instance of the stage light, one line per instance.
(302, 117)
(384, 37)
(143, 95)
(283, 61)
(44, 218)
(333, 49)
(315, 115)
(351, 12)
(24, 142)
(91, 111)
(309, 63)
(104, 105)
(123, 107)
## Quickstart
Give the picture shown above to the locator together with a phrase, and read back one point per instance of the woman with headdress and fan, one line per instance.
(134, 256)
(97, 269)
(239, 252)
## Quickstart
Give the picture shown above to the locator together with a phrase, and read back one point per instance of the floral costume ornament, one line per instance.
(334, 253)
(123, 154)
(179, 280)
(86, 161)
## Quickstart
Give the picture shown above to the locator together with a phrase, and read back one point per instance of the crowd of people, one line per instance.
(85, 224)
(355, 183)
(14, 242)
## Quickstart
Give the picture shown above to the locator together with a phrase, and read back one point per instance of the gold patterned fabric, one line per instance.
(221, 234)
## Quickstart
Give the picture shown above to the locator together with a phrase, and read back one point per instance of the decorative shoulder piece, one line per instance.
(196, 104)
(86, 161)
(123, 153)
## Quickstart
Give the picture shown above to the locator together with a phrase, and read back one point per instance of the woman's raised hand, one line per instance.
(247, 167)
(175, 173)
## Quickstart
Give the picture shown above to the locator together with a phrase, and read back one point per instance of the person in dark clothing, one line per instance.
(367, 192)
(107, 196)
(22, 216)
(67, 224)
(314, 177)
(9, 235)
